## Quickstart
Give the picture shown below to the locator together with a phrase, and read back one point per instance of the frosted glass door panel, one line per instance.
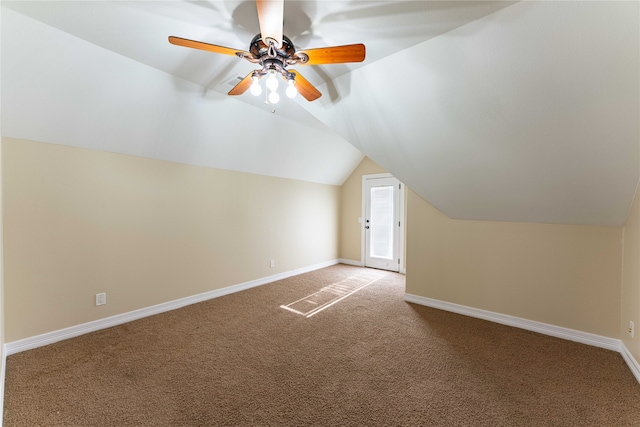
(381, 225)
(381, 222)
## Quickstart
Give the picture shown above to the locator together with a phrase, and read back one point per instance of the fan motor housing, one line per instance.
(259, 48)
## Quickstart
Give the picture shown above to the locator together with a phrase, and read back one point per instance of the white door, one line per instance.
(382, 223)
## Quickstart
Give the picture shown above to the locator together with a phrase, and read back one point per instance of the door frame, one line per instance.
(401, 215)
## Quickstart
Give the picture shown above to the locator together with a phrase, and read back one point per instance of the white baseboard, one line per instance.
(361, 264)
(530, 325)
(351, 262)
(631, 361)
(84, 328)
(518, 322)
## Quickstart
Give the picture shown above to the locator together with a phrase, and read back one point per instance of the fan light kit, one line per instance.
(275, 52)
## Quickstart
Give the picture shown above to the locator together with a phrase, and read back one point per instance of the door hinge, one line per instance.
(398, 261)
(398, 223)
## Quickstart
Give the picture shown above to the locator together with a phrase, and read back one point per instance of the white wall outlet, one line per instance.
(101, 298)
(631, 328)
(272, 263)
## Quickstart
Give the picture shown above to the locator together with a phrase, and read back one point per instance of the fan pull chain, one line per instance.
(266, 101)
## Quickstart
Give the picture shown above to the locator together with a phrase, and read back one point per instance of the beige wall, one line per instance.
(630, 310)
(78, 222)
(351, 210)
(563, 275)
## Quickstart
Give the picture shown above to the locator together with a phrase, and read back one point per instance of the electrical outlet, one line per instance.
(101, 299)
(272, 263)
(631, 328)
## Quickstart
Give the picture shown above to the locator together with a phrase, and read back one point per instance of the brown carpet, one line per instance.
(370, 359)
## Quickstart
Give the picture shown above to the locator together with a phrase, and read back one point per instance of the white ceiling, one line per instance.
(525, 111)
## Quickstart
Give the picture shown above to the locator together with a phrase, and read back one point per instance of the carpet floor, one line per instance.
(333, 347)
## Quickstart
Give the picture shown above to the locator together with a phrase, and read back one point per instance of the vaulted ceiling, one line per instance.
(510, 111)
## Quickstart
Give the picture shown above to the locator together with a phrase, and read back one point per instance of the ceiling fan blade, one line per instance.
(334, 54)
(242, 86)
(179, 41)
(306, 89)
(271, 17)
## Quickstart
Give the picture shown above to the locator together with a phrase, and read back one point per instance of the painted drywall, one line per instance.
(60, 89)
(563, 275)
(351, 210)
(78, 222)
(510, 117)
(630, 309)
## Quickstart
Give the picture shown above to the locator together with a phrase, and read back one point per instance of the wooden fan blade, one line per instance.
(334, 54)
(271, 17)
(179, 41)
(242, 87)
(306, 89)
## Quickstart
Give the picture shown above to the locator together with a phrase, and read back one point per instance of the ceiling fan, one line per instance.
(274, 51)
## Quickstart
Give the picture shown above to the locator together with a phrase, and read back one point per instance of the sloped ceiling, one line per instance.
(526, 111)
